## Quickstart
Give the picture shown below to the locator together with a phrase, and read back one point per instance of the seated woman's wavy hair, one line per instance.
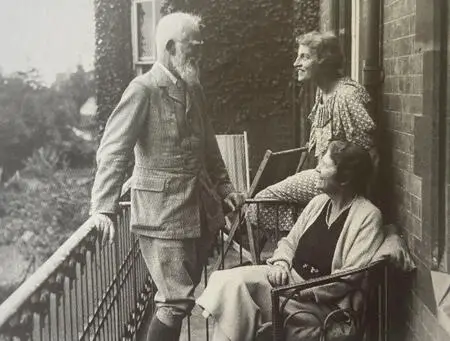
(327, 49)
(353, 163)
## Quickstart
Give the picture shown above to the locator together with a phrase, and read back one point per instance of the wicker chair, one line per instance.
(367, 323)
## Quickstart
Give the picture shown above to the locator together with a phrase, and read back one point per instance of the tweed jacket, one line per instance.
(358, 242)
(178, 172)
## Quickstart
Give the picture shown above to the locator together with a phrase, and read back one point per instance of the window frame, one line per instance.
(355, 69)
(142, 63)
(441, 230)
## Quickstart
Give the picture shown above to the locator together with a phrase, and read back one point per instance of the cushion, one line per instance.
(394, 249)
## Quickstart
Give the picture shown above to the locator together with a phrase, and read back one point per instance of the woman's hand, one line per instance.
(278, 274)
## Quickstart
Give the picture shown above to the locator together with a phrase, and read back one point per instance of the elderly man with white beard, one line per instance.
(180, 187)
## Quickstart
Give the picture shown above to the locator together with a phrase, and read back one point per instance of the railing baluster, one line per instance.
(62, 309)
(95, 296)
(116, 295)
(79, 304)
(45, 302)
(109, 301)
(125, 294)
(66, 310)
(53, 317)
(96, 289)
(87, 299)
(93, 286)
(205, 272)
(73, 302)
(105, 270)
(134, 282)
(125, 282)
(117, 270)
(104, 281)
(129, 283)
(37, 331)
(86, 296)
(56, 286)
(118, 251)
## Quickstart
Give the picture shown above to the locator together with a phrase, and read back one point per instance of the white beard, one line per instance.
(187, 69)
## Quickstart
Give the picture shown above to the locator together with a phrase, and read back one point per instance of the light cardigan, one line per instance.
(358, 242)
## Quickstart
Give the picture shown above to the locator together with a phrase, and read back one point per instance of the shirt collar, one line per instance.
(168, 73)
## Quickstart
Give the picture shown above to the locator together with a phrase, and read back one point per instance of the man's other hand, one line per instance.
(105, 226)
(234, 200)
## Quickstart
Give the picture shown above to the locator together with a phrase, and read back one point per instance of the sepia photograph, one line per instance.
(224, 170)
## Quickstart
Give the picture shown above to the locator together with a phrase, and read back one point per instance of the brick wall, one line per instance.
(402, 99)
(408, 157)
(408, 154)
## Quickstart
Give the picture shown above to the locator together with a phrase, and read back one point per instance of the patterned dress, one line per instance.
(342, 116)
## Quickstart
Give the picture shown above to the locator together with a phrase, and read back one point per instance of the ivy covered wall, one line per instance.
(113, 53)
(248, 54)
(247, 67)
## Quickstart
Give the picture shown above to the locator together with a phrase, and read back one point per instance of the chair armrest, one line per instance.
(375, 266)
(268, 201)
(290, 291)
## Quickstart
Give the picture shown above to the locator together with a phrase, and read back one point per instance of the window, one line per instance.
(144, 17)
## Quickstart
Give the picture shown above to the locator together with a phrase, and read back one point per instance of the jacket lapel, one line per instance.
(163, 81)
(194, 99)
(176, 93)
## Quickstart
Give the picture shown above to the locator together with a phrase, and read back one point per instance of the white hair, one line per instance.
(173, 26)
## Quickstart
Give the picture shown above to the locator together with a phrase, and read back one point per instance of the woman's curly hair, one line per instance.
(327, 48)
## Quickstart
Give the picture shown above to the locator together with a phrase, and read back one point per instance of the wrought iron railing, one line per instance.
(90, 291)
(84, 291)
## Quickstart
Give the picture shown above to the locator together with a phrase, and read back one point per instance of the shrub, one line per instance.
(41, 206)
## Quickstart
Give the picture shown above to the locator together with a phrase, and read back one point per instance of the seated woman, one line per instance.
(338, 230)
(339, 113)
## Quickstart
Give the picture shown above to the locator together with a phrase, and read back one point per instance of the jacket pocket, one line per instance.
(149, 184)
(149, 202)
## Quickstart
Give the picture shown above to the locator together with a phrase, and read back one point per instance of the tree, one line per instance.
(78, 86)
(33, 115)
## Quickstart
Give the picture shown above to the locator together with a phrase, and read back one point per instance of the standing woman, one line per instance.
(339, 113)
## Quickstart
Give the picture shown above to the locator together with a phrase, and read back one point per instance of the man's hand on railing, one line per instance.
(278, 274)
(105, 226)
(234, 200)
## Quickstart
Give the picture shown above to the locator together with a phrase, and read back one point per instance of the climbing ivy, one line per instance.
(248, 54)
(113, 54)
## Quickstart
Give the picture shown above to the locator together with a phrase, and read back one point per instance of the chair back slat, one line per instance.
(234, 151)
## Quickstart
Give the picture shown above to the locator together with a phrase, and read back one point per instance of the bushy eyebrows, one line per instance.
(304, 55)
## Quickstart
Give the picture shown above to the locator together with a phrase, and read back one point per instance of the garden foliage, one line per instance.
(113, 54)
(46, 166)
